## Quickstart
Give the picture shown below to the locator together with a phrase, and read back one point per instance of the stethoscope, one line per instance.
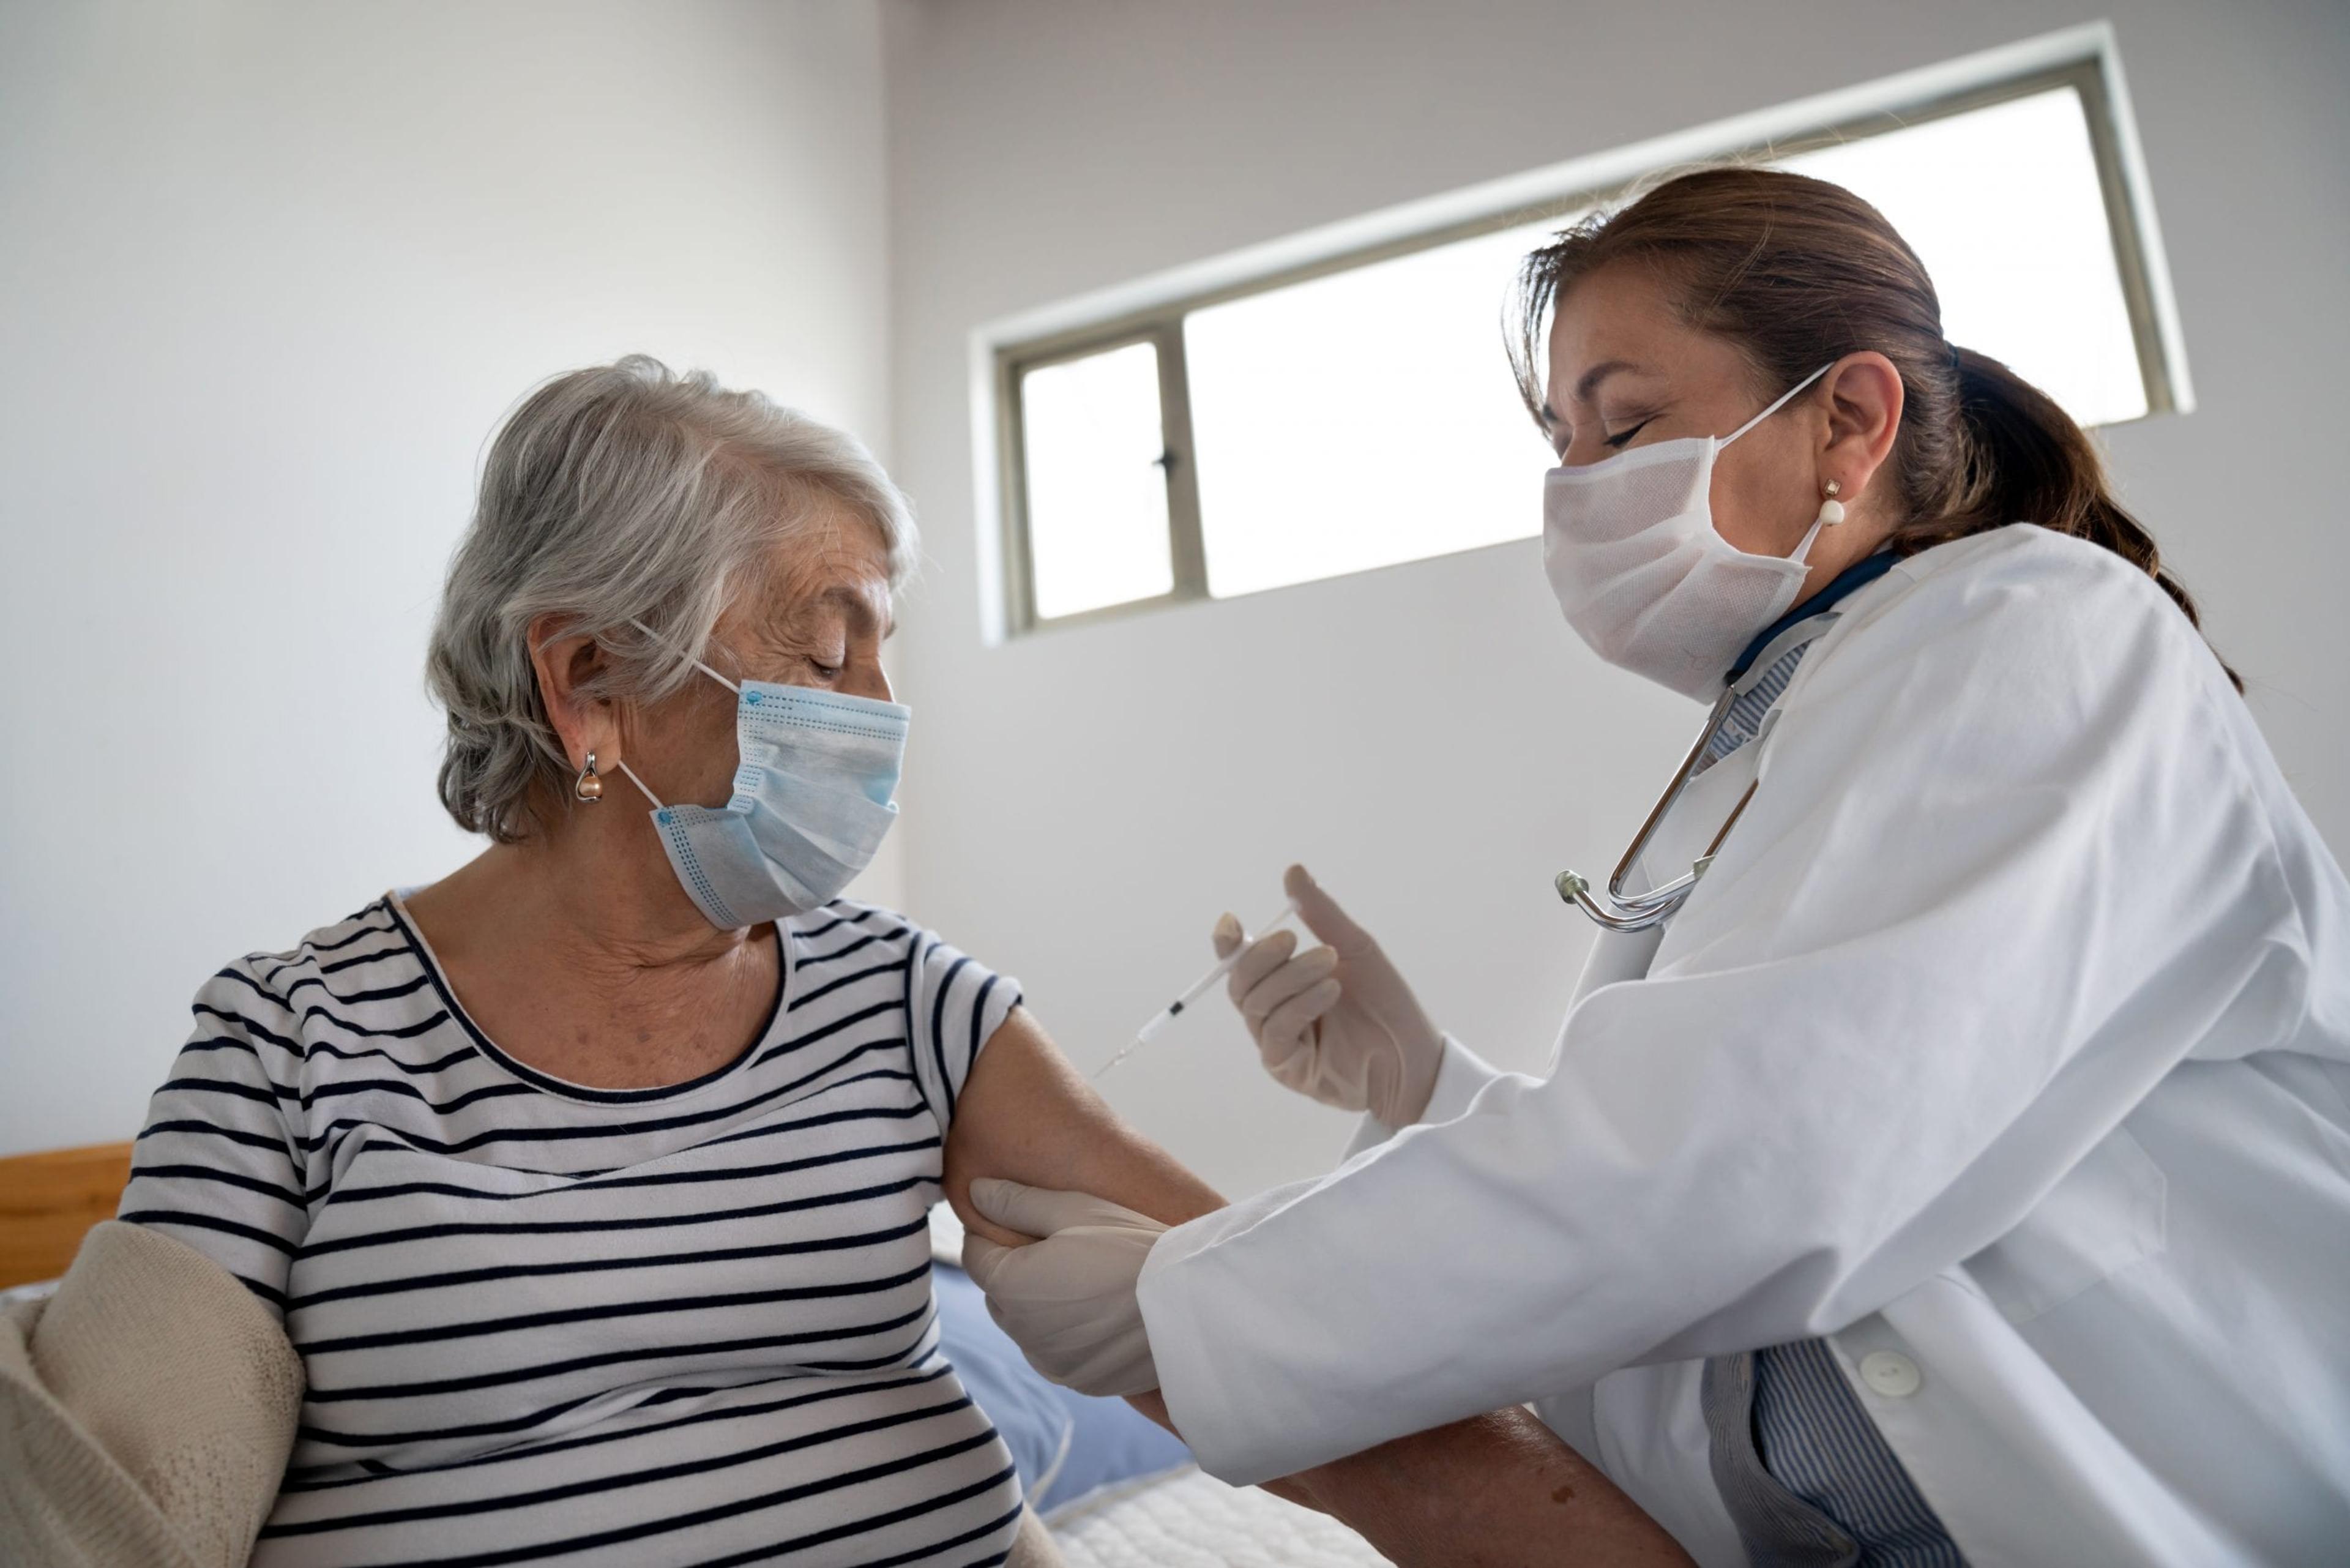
(1623, 911)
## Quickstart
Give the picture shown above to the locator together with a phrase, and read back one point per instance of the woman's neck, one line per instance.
(578, 954)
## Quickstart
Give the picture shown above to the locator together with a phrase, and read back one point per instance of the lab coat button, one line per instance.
(1889, 1373)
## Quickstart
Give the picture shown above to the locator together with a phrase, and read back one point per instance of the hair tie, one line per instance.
(1955, 365)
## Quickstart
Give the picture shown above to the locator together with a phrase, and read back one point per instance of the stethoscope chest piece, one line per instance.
(1623, 911)
(1618, 910)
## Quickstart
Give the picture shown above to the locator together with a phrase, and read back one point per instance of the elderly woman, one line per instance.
(590, 1183)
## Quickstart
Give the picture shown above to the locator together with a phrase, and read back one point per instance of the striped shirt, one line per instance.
(1743, 723)
(1806, 1475)
(545, 1323)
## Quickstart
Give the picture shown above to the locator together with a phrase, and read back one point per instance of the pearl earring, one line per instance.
(587, 786)
(1831, 509)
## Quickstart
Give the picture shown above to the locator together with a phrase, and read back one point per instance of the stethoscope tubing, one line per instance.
(1618, 910)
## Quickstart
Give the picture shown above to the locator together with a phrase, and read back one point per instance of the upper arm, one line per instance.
(954, 1005)
(1027, 1116)
(218, 1164)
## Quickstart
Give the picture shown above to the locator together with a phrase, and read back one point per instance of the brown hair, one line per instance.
(1800, 273)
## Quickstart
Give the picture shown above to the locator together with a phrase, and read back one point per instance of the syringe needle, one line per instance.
(1128, 1049)
(1195, 991)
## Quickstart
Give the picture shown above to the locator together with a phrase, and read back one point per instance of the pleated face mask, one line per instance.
(812, 803)
(1629, 546)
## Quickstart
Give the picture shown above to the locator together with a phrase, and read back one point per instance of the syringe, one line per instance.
(1196, 990)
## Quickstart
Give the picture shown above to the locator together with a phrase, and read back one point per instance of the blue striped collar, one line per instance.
(1857, 576)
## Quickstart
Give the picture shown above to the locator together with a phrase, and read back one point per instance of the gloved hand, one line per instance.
(1337, 1023)
(1067, 1298)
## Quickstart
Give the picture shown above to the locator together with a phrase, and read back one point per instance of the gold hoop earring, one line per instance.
(587, 786)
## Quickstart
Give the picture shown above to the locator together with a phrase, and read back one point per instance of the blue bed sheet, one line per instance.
(1065, 1443)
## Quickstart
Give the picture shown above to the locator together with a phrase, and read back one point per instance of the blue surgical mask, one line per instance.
(811, 804)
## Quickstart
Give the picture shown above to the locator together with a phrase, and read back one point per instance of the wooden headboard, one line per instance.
(49, 1199)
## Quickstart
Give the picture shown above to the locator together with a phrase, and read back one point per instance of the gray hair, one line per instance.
(621, 493)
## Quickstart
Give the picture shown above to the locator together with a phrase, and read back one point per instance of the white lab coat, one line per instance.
(2007, 1042)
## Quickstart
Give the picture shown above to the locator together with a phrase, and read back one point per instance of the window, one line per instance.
(2004, 205)
(1094, 452)
(1361, 418)
(1340, 401)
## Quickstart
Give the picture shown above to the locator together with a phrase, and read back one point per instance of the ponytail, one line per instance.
(2022, 459)
(1800, 273)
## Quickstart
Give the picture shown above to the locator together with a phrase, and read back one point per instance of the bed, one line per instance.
(1191, 1520)
(1116, 1490)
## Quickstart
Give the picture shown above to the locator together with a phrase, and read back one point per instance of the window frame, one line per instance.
(2085, 59)
(1186, 554)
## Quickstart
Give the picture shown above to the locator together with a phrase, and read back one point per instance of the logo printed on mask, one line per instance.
(811, 804)
(1630, 549)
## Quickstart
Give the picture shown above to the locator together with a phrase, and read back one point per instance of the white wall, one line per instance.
(270, 272)
(1430, 737)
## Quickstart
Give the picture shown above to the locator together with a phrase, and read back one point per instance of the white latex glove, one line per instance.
(1336, 1023)
(1067, 1298)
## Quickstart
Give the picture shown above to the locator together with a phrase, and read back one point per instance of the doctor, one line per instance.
(1962, 1173)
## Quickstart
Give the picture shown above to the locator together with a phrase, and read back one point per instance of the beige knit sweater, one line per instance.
(146, 1411)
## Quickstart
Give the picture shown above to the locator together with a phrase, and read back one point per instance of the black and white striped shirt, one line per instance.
(547, 1323)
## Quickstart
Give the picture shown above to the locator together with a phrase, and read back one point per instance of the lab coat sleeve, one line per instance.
(1459, 1078)
(1458, 1081)
(2002, 867)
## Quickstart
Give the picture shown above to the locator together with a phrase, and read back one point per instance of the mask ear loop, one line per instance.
(640, 786)
(737, 690)
(664, 642)
(1804, 548)
(1784, 399)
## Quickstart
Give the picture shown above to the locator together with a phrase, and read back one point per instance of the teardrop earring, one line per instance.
(587, 786)
(1831, 509)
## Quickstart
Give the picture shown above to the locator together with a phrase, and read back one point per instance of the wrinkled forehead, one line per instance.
(832, 571)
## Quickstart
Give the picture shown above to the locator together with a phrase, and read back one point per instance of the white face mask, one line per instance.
(1632, 553)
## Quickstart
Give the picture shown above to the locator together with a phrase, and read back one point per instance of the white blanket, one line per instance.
(1191, 1520)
